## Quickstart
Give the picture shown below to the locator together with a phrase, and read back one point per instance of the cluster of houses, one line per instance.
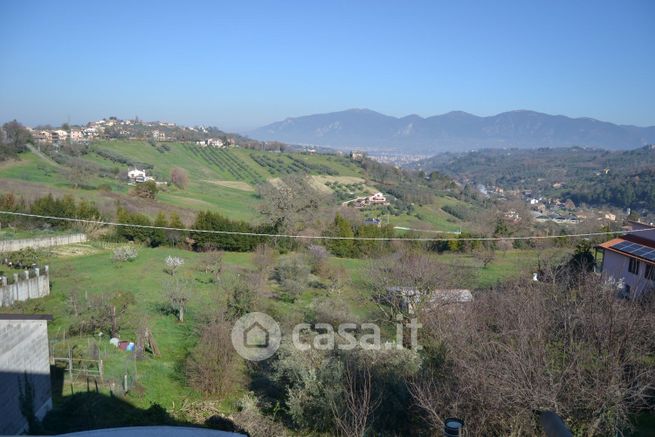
(551, 210)
(133, 129)
(366, 201)
(59, 136)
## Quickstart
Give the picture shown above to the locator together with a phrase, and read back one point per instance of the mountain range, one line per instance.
(454, 131)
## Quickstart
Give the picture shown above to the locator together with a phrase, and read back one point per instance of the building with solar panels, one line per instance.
(630, 260)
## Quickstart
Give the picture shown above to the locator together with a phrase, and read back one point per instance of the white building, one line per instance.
(211, 142)
(377, 199)
(139, 176)
(59, 136)
(158, 135)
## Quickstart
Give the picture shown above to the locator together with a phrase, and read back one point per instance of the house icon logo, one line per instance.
(256, 336)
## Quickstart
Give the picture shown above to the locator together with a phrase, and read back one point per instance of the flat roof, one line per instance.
(18, 316)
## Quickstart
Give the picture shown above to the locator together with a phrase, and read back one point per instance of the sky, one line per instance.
(239, 65)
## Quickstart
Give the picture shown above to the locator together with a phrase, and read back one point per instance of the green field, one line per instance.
(160, 379)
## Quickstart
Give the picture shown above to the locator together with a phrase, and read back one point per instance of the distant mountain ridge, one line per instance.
(453, 131)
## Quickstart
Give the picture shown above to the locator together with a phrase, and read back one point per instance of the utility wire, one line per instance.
(320, 237)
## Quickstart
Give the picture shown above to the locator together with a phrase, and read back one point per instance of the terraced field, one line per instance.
(226, 161)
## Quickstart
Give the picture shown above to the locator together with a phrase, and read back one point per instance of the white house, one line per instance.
(630, 260)
(377, 199)
(211, 142)
(139, 176)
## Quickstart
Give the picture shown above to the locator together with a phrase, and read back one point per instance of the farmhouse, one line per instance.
(630, 260)
(363, 202)
(377, 199)
(139, 176)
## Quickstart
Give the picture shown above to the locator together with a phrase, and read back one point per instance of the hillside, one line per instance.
(594, 176)
(454, 131)
(224, 180)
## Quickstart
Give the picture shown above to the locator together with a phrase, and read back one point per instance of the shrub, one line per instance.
(26, 257)
(172, 264)
(292, 274)
(124, 254)
(147, 190)
(317, 258)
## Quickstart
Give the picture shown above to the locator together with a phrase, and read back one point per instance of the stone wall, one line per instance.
(24, 364)
(14, 245)
(28, 284)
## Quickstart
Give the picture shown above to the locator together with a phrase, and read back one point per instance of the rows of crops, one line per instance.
(226, 161)
(316, 168)
(278, 166)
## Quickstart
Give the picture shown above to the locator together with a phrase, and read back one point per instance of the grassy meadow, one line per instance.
(88, 269)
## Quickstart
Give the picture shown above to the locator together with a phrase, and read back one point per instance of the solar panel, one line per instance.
(621, 245)
(635, 249)
(641, 251)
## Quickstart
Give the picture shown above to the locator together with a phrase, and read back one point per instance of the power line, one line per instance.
(310, 237)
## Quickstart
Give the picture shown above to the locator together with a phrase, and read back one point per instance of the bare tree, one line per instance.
(486, 255)
(317, 257)
(212, 364)
(337, 278)
(352, 414)
(178, 294)
(264, 258)
(179, 177)
(290, 203)
(540, 346)
(212, 262)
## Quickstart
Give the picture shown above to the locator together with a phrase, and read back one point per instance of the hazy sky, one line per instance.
(242, 64)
